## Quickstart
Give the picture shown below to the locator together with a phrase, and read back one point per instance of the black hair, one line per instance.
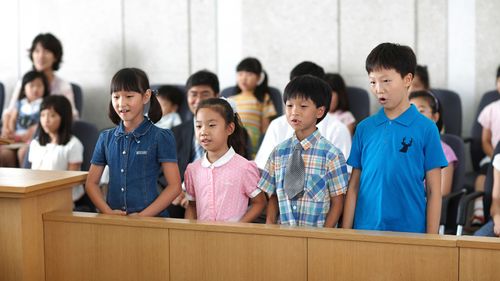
(61, 105)
(336, 82)
(253, 65)
(498, 72)
(307, 67)
(133, 80)
(310, 87)
(171, 93)
(434, 103)
(237, 139)
(30, 76)
(423, 75)
(51, 43)
(203, 78)
(392, 56)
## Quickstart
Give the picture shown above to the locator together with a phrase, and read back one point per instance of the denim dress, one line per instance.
(134, 161)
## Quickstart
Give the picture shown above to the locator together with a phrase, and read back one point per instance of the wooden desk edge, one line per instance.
(257, 229)
(36, 189)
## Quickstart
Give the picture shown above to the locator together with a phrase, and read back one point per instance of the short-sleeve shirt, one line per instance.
(134, 160)
(450, 155)
(394, 156)
(221, 189)
(496, 162)
(28, 114)
(489, 118)
(325, 177)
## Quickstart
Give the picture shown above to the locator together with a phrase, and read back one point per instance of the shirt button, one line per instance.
(121, 170)
(126, 137)
(124, 152)
(294, 207)
(123, 189)
(138, 141)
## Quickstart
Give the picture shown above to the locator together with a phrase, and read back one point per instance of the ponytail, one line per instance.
(154, 112)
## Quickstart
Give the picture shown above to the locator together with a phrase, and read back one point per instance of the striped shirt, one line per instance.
(326, 176)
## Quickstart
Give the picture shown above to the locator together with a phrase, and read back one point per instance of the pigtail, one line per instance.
(262, 88)
(238, 139)
(154, 112)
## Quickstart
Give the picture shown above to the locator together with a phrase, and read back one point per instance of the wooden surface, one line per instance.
(479, 258)
(219, 251)
(21, 225)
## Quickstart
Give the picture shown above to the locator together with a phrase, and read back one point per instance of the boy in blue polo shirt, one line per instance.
(305, 176)
(393, 152)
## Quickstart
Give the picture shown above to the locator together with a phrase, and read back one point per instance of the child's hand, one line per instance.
(178, 199)
(117, 213)
(184, 202)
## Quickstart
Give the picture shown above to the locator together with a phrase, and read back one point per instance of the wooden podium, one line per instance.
(24, 196)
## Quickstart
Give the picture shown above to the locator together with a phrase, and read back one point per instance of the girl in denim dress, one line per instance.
(136, 152)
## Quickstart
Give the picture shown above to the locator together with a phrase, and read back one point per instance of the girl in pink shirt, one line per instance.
(220, 184)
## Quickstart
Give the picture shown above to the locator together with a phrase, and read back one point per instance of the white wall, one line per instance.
(170, 39)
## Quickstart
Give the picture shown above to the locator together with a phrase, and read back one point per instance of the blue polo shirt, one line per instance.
(393, 156)
(134, 160)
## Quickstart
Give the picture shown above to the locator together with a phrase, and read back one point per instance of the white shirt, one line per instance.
(169, 120)
(496, 162)
(279, 130)
(57, 157)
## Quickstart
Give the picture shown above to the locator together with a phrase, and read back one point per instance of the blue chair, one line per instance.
(359, 103)
(78, 96)
(274, 93)
(452, 111)
(183, 110)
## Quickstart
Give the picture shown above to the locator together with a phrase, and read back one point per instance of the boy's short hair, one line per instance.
(172, 94)
(392, 56)
(310, 87)
(498, 72)
(307, 67)
(423, 74)
(203, 78)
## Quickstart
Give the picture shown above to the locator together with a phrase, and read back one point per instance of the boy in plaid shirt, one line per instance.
(321, 182)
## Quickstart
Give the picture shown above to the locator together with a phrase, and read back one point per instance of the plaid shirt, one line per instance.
(326, 176)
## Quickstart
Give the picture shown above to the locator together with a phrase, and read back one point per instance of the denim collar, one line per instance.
(221, 161)
(405, 119)
(140, 131)
(307, 142)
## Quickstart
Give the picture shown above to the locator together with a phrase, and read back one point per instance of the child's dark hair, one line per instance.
(51, 43)
(498, 72)
(171, 93)
(253, 65)
(392, 56)
(336, 82)
(133, 80)
(61, 105)
(29, 77)
(433, 102)
(310, 87)
(237, 139)
(423, 74)
(307, 67)
(203, 78)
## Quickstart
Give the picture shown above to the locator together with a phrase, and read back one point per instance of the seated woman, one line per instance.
(46, 55)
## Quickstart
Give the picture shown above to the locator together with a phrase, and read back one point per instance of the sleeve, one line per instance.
(341, 138)
(188, 183)
(267, 182)
(337, 176)
(268, 110)
(33, 150)
(485, 118)
(433, 150)
(450, 155)
(267, 145)
(496, 162)
(354, 159)
(99, 155)
(166, 146)
(75, 151)
(250, 180)
(14, 97)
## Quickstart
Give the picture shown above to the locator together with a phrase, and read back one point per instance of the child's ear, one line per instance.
(230, 128)
(146, 96)
(320, 112)
(407, 80)
(435, 116)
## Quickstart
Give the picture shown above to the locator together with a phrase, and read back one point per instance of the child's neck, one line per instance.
(302, 134)
(215, 155)
(131, 125)
(395, 112)
(54, 138)
(247, 93)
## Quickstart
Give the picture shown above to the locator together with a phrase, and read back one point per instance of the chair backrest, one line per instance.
(457, 144)
(488, 186)
(2, 98)
(476, 149)
(451, 111)
(88, 134)
(183, 110)
(359, 103)
(274, 94)
(78, 95)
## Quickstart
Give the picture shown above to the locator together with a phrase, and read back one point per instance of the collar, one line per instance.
(308, 142)
(221, 161)
(405, 119)
(138, 132)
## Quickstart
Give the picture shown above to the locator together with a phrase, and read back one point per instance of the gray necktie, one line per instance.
(295, 173)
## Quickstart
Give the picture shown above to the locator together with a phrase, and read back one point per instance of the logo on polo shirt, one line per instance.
(406, 145)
